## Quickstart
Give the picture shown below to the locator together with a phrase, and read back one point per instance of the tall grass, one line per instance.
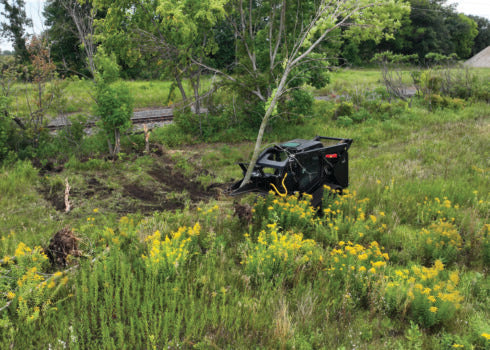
(370, 273)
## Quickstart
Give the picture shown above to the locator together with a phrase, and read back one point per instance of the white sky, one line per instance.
(34, 11)
(473, 7)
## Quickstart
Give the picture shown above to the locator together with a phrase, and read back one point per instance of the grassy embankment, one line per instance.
(401, 261)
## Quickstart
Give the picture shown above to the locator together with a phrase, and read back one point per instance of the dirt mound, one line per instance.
(244, 212)
(62, 244)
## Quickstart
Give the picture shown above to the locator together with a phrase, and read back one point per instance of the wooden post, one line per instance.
(147, 138)
(67, 196)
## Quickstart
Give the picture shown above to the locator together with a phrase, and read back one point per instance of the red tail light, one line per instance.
(332, 155)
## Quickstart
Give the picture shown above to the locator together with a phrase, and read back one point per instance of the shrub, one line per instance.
(278, 256)
(344, 121)
(353, 269)
(299, 103)
(115, 109)
(438, 101)
(349, 217)
(172, 135)
(437, 209)
(167, 256)
(361, 115)
(323, 109)
(441, 240)
(428, 296)
(26, 283)
(205, 125)
(287, 213)
(345, 109)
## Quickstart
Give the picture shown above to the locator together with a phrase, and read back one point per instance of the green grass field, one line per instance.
(398, 262)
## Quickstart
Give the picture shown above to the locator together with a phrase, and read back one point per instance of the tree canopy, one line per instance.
(14, 26)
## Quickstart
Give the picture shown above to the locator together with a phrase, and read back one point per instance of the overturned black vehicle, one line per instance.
(299, 165)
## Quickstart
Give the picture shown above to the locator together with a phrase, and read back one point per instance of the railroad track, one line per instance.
(149, 116)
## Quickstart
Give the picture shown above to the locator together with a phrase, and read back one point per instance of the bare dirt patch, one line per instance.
(139, 192)
(161, 186)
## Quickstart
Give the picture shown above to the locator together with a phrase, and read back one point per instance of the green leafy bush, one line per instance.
(438, 101)
(298, 104)
(344, 109)
(206, 126)
(114, 106)
(172, 135)
(344, 121)
(361, 115)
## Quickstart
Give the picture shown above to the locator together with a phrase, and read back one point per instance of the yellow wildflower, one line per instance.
(22, 249)
(433, 309)
(362, 256)
(454, 277)
(378, 264)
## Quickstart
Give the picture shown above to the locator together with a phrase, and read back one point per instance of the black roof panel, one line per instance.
(301, 145)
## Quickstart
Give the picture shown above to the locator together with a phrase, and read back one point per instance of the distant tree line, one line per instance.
(431, 26)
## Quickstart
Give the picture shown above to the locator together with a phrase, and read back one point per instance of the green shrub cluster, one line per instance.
(278, 255)
(364, 107)
(428, 296)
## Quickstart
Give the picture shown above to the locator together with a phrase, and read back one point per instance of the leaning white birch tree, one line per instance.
(293, 40)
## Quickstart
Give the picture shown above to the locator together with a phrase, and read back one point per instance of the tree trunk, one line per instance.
(197, 104)
(258, 144)
(178, 80)
(109, 144)
(117, 142)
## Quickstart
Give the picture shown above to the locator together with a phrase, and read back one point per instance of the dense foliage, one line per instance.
(431, 26)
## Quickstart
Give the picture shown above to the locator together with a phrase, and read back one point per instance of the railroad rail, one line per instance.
(147, 116)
